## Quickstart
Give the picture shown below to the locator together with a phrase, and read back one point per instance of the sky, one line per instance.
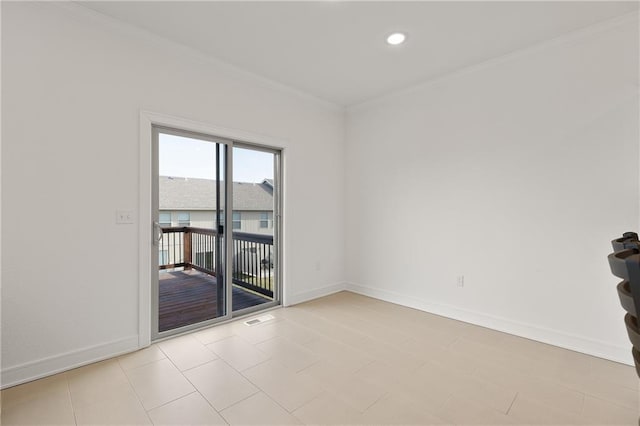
(193, 158)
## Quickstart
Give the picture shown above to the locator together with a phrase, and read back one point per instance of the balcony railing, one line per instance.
(195, 248)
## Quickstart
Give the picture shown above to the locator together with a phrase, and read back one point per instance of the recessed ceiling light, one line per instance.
(396, 38)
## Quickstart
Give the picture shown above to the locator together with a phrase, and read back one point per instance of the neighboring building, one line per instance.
(192, 202)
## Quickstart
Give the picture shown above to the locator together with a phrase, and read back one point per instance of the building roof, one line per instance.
(177, 193)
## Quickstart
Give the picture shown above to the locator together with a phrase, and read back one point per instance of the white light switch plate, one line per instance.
(124, 216)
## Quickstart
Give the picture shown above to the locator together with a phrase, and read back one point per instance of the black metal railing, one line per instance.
(253, 262)
(195, 248)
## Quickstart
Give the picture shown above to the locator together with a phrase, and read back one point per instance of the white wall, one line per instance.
(516, 174)
(73, 87)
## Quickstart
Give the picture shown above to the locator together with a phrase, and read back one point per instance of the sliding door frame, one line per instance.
(232, 137)
(226, 161)
(277, 226)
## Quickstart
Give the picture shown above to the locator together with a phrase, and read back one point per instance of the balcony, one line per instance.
(188, 291)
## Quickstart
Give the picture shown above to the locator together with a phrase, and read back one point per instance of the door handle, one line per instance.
(158, 233)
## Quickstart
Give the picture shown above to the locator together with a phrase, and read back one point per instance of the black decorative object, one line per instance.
(625, 263)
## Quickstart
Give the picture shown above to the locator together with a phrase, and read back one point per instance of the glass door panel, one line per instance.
(255, 192)
(189, 196)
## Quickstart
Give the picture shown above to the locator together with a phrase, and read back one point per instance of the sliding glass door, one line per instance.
(215, 209)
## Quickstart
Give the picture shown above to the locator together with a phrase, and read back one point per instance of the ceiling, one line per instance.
(336, 50)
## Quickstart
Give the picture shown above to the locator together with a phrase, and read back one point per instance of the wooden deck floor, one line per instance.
(189, 297)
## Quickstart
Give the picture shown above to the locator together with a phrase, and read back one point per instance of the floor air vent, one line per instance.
(259, 320)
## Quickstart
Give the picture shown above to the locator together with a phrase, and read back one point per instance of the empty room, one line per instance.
(320, 212)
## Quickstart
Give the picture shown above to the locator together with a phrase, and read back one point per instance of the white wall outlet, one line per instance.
(460, 281)
(124, 216)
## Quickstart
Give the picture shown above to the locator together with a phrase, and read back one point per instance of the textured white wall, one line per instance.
(515, 174)
(73, 87)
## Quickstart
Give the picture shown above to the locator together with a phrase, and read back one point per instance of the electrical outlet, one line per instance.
(460, 281)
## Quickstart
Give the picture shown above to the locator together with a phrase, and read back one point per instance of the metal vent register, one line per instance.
(259, 320)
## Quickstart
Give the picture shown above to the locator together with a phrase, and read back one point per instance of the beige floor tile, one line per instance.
(108, 371)
(530, 412)
(487, 394)
(158, 383)
(599, 386)
(326, 371)
(192, 409)
(366, 325)
(438, 322)
(141, 357)
(462, 411)
(331, 350)
(288, 389)
(503, 375)
(292, 331)
(599, 412)
(424, 340)
(531, 349)
(258, 409)
(339, 333)
(49, 408)
(391, 355)
(616, 373)
(119, 409)
(349, 388)
(483, 335)
(487, 355)
(565, 369)
(213, 334)
(381, 374)
(220, 384)
(256, 333)
(553, 395)
(572, 378)
(545, 391)
(432, 386)
(291, 313)
(186, 352)
(57, 384)
(438, 354)
(238, 353)
(393, 409)
(609, 391)
(324, 324)
(328, 410)
(291, 355)
(95, 382)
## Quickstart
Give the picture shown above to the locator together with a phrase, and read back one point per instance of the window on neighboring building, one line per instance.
(184, 219)
(237, 222)
(264, 220)
(164, 219)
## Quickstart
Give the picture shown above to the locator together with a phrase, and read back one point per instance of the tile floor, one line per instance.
(342, 359)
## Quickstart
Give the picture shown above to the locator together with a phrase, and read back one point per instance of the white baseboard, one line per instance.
(314, 294)
(33, 370)
(552, 337)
